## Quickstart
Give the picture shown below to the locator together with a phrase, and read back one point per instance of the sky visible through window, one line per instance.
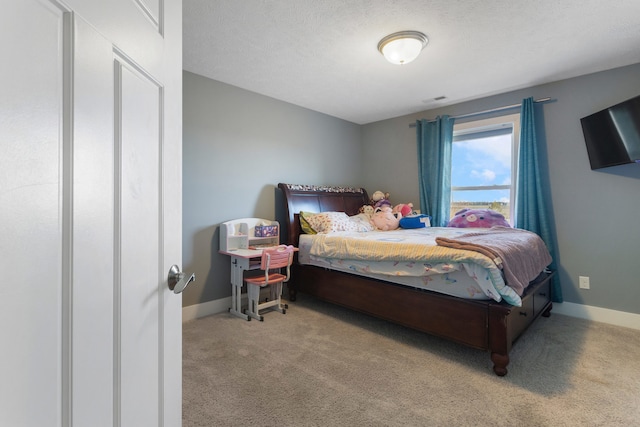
(481, 162)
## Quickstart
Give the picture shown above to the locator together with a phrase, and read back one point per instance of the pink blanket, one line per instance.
(521, 254)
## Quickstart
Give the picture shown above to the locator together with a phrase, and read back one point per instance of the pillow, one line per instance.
(326, 222)
(304, 224)
(363, 222)
(478, 218)
(415, 221)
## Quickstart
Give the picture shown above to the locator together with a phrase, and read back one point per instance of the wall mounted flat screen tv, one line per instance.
(613, 134)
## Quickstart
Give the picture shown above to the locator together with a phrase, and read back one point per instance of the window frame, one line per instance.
(497, 123)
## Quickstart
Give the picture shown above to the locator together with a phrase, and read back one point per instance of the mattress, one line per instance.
(459, 279)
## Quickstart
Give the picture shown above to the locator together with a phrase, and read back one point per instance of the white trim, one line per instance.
(598, 314)
(208, 308)
(493, 123)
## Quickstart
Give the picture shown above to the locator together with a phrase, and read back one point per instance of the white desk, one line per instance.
(241, 260)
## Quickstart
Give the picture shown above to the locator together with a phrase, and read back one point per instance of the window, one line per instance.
(484, 165)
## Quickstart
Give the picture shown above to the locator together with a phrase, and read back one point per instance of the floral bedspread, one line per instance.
(417, 246)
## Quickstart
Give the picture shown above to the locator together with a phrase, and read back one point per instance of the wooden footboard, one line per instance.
(507, 323)
(484, 325)
(453, 318)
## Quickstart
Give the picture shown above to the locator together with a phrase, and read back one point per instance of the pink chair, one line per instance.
(272, 262)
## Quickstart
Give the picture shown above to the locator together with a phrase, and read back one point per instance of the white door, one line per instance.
(90, 212)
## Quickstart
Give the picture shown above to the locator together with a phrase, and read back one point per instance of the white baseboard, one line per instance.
(597, 314)
(196, 311)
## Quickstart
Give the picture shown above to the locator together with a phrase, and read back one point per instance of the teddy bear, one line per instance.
(367, 210)
(384, 219)
(478, 218)
(379, 199)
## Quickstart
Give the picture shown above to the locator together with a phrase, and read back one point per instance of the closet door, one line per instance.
(90, 174)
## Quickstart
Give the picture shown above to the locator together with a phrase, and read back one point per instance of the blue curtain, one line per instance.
(531, 210)
(434, 167)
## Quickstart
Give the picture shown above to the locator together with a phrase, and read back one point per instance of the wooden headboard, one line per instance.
(318, 198)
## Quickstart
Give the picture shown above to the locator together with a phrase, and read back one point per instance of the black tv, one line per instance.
(613, 134)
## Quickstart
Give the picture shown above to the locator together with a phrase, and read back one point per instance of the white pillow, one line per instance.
(329, 222)
(363, 222)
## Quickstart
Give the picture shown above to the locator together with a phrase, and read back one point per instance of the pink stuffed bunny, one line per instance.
(384, 219)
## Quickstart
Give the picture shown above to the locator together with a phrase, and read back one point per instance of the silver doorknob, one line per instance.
(178, 281)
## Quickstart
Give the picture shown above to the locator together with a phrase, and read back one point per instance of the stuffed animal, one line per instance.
(404, 209)
(367, 210)
(478, 218)
(384, 219)
(379, 199)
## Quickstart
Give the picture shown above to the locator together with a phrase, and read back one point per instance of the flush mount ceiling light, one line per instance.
(402, 47)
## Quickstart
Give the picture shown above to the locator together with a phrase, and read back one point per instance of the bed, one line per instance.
(479, 323)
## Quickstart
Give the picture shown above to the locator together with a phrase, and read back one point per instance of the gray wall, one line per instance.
(594, 212)
(237, 146)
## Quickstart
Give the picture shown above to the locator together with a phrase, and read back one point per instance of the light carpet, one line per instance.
(322, 365)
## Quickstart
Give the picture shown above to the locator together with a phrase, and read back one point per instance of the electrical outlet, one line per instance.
(584, 282)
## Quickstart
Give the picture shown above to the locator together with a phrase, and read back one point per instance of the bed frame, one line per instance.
(485, 325)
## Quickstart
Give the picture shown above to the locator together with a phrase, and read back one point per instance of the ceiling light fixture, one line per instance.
(402, 47)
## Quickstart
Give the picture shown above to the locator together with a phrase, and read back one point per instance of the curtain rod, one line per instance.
(492, 110)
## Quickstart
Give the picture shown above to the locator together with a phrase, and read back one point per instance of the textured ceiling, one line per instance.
(322, 54)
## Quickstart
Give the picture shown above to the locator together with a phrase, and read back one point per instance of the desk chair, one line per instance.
(272, 262)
